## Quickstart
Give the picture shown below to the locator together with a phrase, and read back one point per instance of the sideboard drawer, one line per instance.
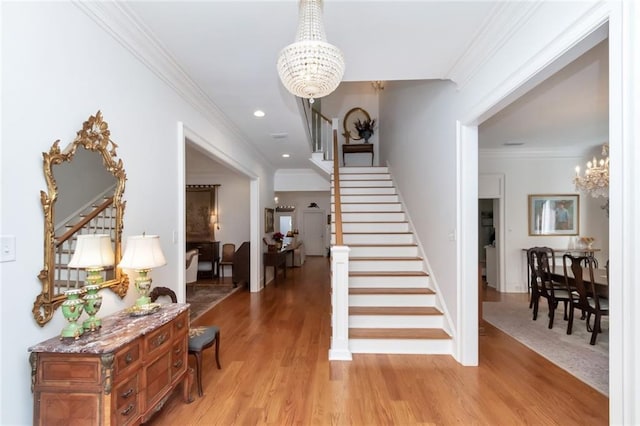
(127, 400)
(56, 370)
(128, 358)
(158, 340)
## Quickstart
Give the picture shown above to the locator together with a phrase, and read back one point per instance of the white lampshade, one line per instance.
(142, 252)
(92, 250)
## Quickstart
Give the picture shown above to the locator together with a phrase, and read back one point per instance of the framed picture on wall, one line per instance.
(268, 220)
(200, 212)
(554, 214)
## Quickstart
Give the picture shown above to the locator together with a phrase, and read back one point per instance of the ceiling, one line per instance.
(229, 50)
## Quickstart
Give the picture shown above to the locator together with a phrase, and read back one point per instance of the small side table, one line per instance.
(354, 148)
(275, 259)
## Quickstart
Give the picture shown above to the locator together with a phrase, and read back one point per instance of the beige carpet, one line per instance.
(570, 352)
(203, 297)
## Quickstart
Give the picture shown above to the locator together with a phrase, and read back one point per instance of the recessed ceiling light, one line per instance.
(285, 156)
(258, 113)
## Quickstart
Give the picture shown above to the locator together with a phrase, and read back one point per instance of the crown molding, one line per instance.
(121, 22)
(505, 19)
(564, 152)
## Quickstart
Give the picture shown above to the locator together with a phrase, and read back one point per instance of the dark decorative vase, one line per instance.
(366, 135)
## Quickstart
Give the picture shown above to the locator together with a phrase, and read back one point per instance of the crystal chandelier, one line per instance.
(596, 176)
(310, 67)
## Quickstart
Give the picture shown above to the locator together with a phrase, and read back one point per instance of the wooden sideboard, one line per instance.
(119, 375)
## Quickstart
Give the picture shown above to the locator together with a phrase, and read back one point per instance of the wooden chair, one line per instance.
(543, 286)
(550, 255)
(584, 295)
(228, 250)
(200, 338)
(191, 267)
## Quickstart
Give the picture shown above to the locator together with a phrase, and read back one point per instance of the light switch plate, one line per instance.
(7, 248)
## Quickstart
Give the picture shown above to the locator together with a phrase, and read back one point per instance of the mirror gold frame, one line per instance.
(349, 123)
(94, 137)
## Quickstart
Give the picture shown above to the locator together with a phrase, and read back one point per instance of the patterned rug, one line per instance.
(203, 297)
(572, 353)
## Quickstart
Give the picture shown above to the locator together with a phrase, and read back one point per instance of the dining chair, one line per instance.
(584, 295)
(550, 255)
(200, 338)
(542, 284)
(228, 250)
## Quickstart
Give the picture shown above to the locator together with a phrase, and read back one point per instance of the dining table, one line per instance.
(599, 278)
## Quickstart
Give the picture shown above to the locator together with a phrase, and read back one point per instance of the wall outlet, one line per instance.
(7, 248)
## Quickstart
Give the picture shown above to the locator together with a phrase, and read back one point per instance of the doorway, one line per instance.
(313, 228)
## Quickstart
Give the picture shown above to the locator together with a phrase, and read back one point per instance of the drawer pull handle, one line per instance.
(128, 393)
(178, 350)
(160, 340)
(128, 358)
(127, 410)
(179, 325)
(177, 364)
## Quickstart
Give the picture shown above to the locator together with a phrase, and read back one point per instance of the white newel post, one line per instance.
(339, 350)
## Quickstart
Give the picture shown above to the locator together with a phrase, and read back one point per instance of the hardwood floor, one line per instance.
(275, 371)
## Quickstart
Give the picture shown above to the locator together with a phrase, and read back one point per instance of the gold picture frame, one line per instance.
(268, 220)
(200, 212)
(554, 214)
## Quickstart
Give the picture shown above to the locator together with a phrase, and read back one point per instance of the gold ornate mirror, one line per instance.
(349, 123)
(85, 183)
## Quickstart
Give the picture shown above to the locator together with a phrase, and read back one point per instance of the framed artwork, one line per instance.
(268, 220)
(200, 204)
(555, 214)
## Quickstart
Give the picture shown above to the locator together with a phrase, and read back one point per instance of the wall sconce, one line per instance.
(143, 253)
(93, 252)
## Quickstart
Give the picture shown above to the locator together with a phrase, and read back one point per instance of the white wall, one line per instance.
(350, 95)
(419, 134)
(58, 69)
(537, 174)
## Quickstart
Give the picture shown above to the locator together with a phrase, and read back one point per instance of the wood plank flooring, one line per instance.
(275, 371)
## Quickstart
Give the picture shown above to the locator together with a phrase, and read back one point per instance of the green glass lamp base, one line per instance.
(144, 300)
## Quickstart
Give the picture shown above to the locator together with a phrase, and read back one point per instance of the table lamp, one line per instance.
(92, 252)
(143, 252)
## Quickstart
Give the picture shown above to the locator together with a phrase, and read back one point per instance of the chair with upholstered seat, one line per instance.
(228, 251)
(542, 284)
(191, 267)
(200, 338)
(583, 293)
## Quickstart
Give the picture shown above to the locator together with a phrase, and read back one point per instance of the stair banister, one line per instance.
(339, 349)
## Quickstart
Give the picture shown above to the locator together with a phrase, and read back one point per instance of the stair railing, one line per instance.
(319, 129)
(339, 349)
(100, 220)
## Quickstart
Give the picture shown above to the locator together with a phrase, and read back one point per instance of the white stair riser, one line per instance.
(367, 198)
(421, 281)
(380, 227)
(384, 251)
(396, 321)
(373, 217)
(362, 170)
(385, 265)
(391, 300)
(366, 207)
(401, 346)
(365, 183)
(344, 177)
(400, 238)
(366, 191)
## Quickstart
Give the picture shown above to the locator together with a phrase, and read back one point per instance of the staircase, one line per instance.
(392, 306)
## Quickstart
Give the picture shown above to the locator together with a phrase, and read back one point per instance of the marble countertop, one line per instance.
(117, 330)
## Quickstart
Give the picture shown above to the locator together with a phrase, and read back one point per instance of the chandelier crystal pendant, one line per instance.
(310, 68)
(596, 176)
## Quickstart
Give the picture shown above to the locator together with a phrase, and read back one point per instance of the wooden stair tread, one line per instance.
(398, 333)
(394, 310)
(388, 274)
(390, 290)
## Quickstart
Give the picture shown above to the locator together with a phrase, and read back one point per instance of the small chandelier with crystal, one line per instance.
(596, 176)
(310, 68)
